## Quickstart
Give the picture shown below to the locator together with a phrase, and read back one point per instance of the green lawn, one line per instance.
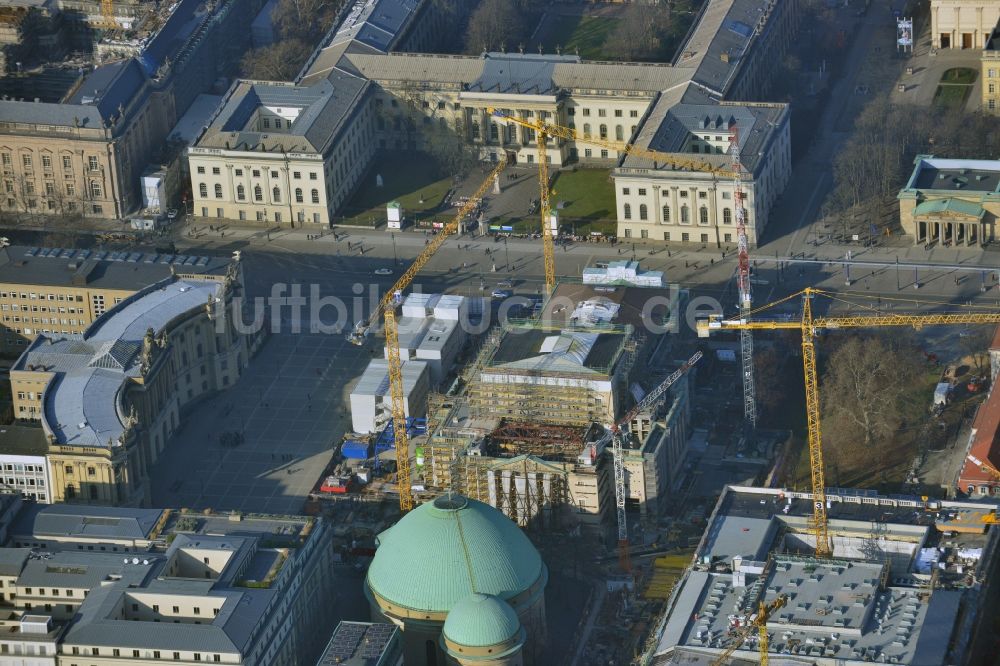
(585, 194)
(409, 178)
(586, 33)
(952, 96)
(588, 199)
(963, 75)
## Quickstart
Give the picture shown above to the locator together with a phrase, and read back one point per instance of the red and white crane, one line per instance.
(618, 436)
(743, 279)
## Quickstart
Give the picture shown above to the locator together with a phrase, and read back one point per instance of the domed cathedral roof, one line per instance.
(482, 620)
(445, 550)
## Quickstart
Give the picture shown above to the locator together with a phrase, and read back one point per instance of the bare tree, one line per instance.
(495, 25)
(863, 389)
(278, 62)
(975, 345)
(304, 20)
(637, 35)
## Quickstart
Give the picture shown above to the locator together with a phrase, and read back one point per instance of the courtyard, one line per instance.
(410, 178)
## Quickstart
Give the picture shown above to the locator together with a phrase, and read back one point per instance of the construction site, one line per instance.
(906, 582)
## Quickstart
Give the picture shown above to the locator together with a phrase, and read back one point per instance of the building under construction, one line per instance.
(906, 583)
(565, 375)
(543, 476)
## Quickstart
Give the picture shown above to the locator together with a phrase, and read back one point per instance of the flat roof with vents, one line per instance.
(931, 173)
(361, 644)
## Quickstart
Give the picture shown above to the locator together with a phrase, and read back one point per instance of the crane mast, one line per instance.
(743, 279)
(545, 204)
(617, 443)
(386, 308)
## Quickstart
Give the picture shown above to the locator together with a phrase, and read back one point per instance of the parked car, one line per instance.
(172, 214)
(383, 271)
(502, 293)
(505, 284)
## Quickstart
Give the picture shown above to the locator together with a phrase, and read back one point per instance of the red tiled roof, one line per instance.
(995, 345)
(985, 443)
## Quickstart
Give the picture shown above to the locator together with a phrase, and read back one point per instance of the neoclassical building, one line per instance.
(109, 399)
(950, 201)
(963, 24)
(292, 154)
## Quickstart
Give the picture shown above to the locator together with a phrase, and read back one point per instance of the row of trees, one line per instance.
(298, 25)
(498, 25)
(875, 162)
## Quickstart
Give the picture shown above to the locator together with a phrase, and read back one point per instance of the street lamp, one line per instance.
(506, 255)
(395, 259)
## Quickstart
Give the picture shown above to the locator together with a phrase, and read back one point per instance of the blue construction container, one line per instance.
(355, 449)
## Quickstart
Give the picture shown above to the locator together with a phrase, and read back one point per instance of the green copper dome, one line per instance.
(481, 620)
(445, 550)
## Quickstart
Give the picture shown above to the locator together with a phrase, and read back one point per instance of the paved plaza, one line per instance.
(290, 407)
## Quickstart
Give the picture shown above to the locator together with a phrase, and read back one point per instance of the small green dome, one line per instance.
(481, 620)
(445, 550)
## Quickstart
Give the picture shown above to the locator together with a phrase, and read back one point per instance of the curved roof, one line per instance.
(443, 551)
(481, 620)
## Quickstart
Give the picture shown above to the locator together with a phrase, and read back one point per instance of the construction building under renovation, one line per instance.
(561, 375)
(906, 583)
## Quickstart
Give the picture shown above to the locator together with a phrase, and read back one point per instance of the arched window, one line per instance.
(276, 194)
(684, 215)
(315, 196)
(619, 133)
(703, 215)
(643, 212)
(627, 211)
(727, 216)
(666, 213)
(586, 129)
(603, 130)
(241, 192)
(203, 190)
(298, 195)
(218, 191)
(258, 193)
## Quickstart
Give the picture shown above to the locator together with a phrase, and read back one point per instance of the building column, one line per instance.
(935, 29)
(675, 208)
(658, 211)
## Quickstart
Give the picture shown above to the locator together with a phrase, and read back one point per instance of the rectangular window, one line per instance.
(26, 161)
(215, 171)
(92, 163)
(67, 162)
(238, 172)
(201, 169)
(642, 191)
(46, 161)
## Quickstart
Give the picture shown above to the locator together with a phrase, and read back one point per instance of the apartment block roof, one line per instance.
(66, 521)
(23, 440)
(125, 271)
(360, 644)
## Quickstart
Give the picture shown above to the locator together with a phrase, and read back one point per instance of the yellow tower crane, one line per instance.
(542, 132)
(758, 623)
(386, 308)
(808, 325)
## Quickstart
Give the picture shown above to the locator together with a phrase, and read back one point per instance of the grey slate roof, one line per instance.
(670, 124)
(326, 106)
(42, 521)
(12, 560)
(509, 72)
(23, 440)
(25, 265)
